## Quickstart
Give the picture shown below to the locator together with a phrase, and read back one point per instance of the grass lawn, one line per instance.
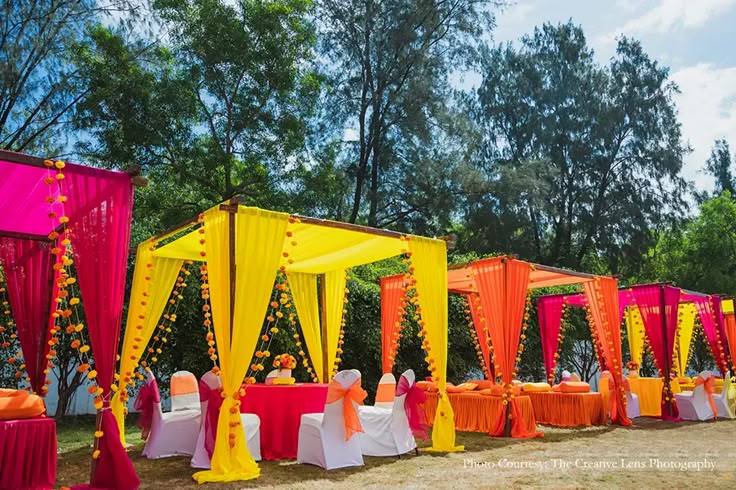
(603, 457)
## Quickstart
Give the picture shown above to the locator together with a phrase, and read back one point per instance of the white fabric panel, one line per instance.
(633, 409)
(726, 399)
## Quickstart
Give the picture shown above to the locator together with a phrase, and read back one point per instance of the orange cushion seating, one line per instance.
(497, 390)
(468, 386)
(482, 384)
(574, 387)
(19, 404)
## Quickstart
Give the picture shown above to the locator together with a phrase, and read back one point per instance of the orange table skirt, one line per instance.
(477, 413)
(568, 409)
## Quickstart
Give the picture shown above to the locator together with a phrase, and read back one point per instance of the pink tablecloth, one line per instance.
(280, 409)
(27, 453)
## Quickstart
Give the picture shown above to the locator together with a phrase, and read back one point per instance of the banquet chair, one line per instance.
(726, 399)
(633, 408)
(386, 392)
(172, 433)
(251, 424)
(694, 405)
(184, 391)
(387, 432)
(605, 388)
(322, 436)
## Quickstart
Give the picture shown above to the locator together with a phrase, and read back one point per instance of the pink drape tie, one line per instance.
(147, 397)
(415, 398)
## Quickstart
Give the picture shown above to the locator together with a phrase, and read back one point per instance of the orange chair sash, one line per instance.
(355, 393)
(709, 387)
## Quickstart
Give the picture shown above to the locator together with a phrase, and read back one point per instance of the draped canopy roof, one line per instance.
(321, 246)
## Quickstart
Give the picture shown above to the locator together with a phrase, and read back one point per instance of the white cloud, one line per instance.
(707, 106)
(516, 13)
(669, 15)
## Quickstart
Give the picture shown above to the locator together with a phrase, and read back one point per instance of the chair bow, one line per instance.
(709, 387)
(355, 393)
(415, 398)
(144, 403)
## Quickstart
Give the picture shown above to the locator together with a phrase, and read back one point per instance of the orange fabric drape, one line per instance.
(478, 413)
(391, 294)
(731, 334)
(356, 394)
(502, 284)
(709, 386)
(602, 296)
(568, 409)
(479, 322)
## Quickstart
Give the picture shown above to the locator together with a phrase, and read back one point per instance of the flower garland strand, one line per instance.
(401, 314)
(474, 336)
(8, 338)
(341, 339)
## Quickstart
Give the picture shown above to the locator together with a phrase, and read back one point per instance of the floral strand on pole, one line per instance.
(9, 338)
(341, 340)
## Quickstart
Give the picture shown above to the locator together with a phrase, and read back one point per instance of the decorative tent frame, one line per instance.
(499, 285)
(45, 210)
(244, 248)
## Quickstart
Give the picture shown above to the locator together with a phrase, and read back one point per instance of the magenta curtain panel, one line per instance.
(711, 316)
(658, 304)
(27, 265)
(549, 309)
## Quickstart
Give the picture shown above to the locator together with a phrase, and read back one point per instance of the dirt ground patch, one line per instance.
(651, 454)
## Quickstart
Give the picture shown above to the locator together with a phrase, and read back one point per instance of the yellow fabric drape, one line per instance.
(634, 332)
(334, 304)
(686, 323)
(258, 238)
(304, 294)
(429, 258)
(157, 281)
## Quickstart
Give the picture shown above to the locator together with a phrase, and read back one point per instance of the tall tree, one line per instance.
(214, 110)
(389, 65)
(581, 160)
(39, 84)
(719, 166)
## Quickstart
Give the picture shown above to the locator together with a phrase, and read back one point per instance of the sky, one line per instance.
(694, 38)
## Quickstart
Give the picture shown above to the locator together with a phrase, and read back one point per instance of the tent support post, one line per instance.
(326, 367)
(507, 424)
(667, 366)
(96, 445)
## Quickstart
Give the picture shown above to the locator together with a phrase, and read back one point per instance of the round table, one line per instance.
(280, 408)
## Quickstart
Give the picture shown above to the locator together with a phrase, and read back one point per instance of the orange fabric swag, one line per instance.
(356, 394)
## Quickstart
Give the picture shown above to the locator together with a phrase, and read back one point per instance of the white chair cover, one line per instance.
(322, 435)
(183, 391)
(386, 392)
(172, 433)
(387, 432)
(694, 405)
(633, 409)
(251, 428)
(726, 399)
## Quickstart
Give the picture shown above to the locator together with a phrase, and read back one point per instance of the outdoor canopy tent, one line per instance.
(98, 204)
(501, 285)
(244, 248)
(669, 333)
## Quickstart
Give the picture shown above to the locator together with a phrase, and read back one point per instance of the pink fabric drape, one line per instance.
(214, 404)
(658, 304)
(602, 295)
(549, 310)
(721, 328)
(391, 294)
(114, 467)
(29, 276)
(711, 317)
(502, 284)
(413, 405)
(478, 322)
(144, 403)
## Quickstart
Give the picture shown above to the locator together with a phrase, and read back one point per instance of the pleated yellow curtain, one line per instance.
(334, 304)
(429, 258)
(634, 332)
(304, 294)
(259, 237)
(155, 276)
(686, 323)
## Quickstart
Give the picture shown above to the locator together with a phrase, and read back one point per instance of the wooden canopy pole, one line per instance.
(326, 368)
